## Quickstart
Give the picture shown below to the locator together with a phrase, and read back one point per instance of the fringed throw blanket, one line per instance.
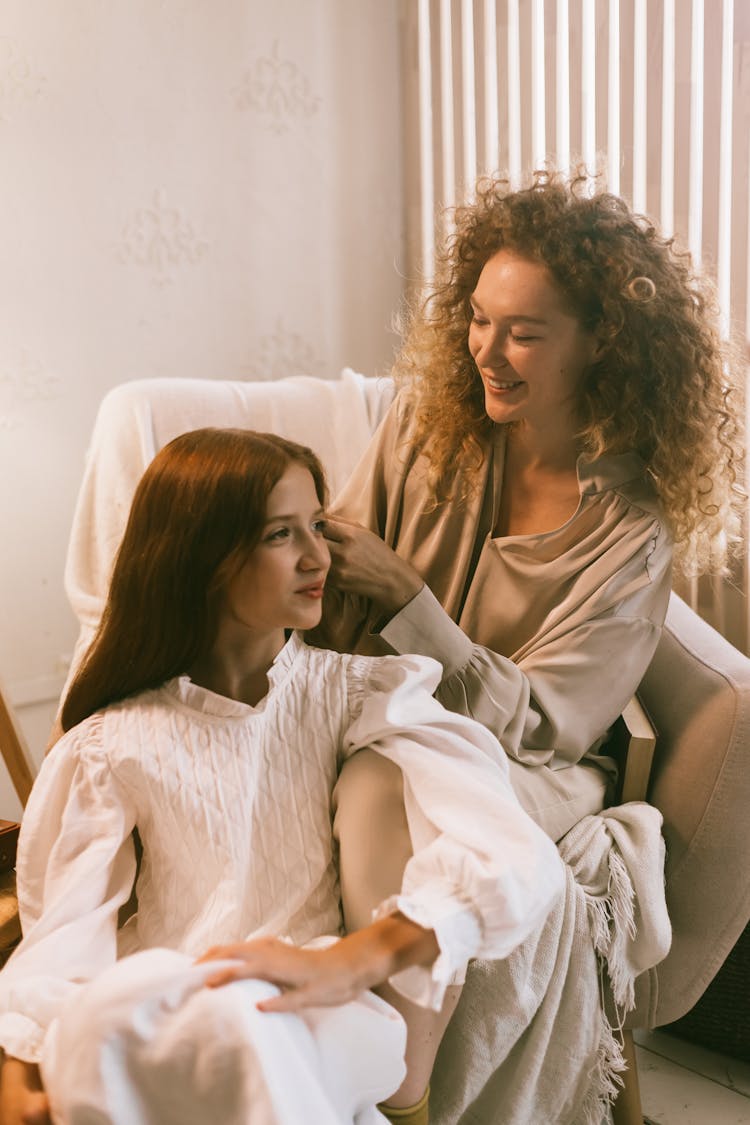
(529, 1043)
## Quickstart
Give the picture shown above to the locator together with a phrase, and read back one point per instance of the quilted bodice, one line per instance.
(233, 807)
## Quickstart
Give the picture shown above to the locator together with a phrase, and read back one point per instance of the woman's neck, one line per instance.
(540, 489)
(546, 450)
(237, 665)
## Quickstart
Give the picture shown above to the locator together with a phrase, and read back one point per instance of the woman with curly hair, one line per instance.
(565, 426)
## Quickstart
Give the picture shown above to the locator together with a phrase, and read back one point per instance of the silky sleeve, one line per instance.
(553, 703)
(76, 867)
(482, 875)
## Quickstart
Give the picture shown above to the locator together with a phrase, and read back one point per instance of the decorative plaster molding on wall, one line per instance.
(28, 381)
(160, 238)
(19, 81)
(161, 216)
(283, 352)
(277, 91)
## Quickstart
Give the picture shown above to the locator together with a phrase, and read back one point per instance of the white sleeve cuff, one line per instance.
(21, 1037)
(458, 935)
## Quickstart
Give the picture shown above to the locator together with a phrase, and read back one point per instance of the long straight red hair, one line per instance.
(196, 515)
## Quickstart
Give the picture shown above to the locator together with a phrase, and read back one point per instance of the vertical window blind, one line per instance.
(654, 95)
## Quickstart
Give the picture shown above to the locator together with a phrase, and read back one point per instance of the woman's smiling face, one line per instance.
(529, 350)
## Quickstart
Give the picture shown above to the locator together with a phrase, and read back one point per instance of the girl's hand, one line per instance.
(329, 976)
(361, 563)
(307, 977)
(22, 1099)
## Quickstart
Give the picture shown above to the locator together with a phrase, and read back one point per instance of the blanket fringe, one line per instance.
(612, 923)
(606, 1082)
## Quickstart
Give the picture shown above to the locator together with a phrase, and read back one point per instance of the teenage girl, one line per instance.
(200, 721)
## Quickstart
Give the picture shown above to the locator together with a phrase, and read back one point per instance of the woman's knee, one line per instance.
(558, 799)
(372, 833)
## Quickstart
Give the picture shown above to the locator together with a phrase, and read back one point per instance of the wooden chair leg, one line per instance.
(627, 1109)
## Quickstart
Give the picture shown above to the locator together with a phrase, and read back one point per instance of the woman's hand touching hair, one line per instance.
(361, 563)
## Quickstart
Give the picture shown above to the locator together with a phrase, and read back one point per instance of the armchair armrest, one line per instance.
(633, 744)
(639, 754)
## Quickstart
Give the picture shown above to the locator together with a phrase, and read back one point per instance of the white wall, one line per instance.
(187, 188)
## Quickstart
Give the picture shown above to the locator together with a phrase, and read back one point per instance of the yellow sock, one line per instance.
(418, 1114)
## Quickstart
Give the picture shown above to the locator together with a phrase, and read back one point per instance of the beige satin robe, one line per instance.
(543, 638)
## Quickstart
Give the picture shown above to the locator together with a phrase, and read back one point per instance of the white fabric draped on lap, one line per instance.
(147, 1044)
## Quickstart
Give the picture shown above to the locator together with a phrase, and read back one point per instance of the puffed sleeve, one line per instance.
(76, 866)
(482, 875)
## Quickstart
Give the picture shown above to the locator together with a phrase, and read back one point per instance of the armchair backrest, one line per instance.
(335, 417)
(697, 692)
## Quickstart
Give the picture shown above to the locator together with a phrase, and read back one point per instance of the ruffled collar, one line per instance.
(184, 693)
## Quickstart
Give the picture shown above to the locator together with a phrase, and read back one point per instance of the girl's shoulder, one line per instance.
(109, 726)
(307, 663)
(87, 733)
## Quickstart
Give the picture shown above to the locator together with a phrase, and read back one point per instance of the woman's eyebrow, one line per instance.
(512, 318)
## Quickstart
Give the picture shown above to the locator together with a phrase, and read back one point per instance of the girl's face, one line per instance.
(280, 586)
(529, 350)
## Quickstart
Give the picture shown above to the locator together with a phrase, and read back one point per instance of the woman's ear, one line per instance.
(602, 335)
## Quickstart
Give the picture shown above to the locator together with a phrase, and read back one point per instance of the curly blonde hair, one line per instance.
(662, 384)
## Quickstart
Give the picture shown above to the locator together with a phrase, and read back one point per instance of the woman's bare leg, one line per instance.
(374, 848)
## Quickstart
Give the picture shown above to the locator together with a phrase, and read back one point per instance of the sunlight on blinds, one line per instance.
(468, 99)
(640, 103)
(613, 99)
(427, 183)
(588, 83)
(695, 218)
(538, 114)
(562, 88)
(646, 93)
(667, 120)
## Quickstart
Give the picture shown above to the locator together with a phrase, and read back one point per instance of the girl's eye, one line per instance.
(319, 526)
(480, 321)
(523, 339)
(278, 534)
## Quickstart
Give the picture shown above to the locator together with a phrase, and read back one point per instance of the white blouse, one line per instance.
(233, 806)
